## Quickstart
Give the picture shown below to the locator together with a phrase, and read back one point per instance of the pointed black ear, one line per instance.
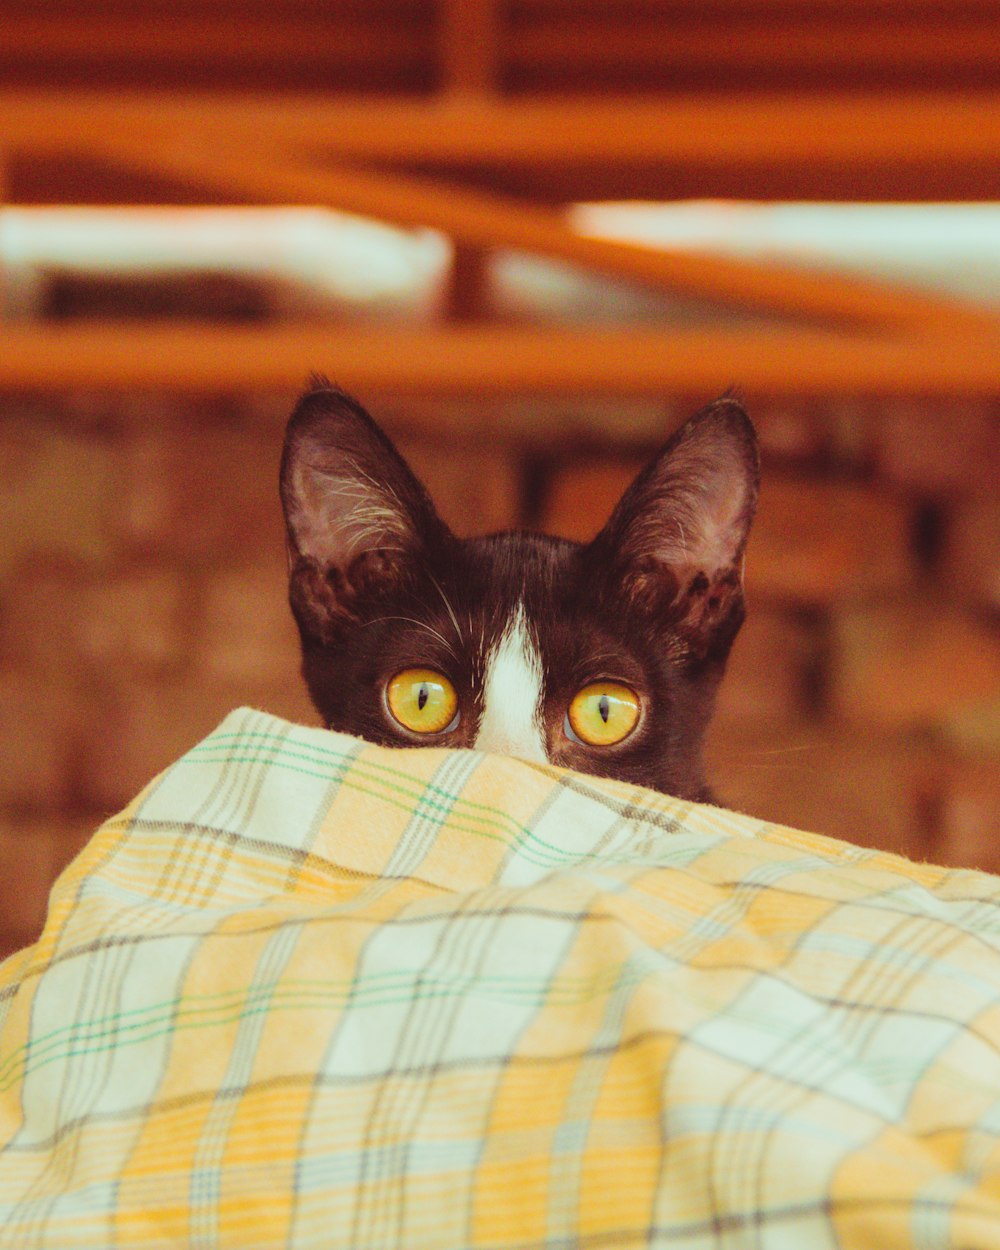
(354, 512)
(674, 545)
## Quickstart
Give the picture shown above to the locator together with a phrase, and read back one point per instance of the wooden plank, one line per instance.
(891, 130)
(875, 145)
(482, 361)
(489, 222)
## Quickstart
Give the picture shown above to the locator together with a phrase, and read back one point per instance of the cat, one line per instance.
(602, 657)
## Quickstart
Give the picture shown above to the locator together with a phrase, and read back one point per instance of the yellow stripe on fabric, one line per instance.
(63, 898)
(665, 1042)
(387, 782)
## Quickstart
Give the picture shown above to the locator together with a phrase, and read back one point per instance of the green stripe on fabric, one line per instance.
(556, 779)
(404, 782)
(446, 805)
(204, 1011)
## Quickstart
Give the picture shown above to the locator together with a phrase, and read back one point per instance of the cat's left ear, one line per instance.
(675, 543)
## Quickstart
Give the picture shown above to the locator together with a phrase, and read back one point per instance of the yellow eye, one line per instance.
(422, 700)
(603, 713)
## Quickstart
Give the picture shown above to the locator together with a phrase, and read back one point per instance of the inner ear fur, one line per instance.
(354, 512)
(675, 543)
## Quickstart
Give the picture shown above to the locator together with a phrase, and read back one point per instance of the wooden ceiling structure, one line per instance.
(483, 119)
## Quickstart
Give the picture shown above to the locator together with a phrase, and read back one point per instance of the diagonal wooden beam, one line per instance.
(492, 221)
(482, 361)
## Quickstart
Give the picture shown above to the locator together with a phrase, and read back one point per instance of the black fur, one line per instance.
(378, 583)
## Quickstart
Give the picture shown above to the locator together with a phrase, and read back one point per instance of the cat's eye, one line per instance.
(423, 701)
(603, 713)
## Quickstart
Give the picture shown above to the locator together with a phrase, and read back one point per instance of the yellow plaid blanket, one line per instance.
(307, 992)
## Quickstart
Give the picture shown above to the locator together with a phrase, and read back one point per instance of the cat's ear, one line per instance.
(675, 543)
(354, 512)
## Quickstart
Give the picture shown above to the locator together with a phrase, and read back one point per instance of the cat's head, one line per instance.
(603, 657)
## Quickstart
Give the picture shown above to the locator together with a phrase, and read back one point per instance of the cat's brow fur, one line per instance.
(378, 584)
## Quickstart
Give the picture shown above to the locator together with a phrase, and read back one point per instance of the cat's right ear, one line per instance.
(354, 512)
(674, 544)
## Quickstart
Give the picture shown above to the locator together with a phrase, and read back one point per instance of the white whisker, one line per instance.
(451, 610)
(378, 620)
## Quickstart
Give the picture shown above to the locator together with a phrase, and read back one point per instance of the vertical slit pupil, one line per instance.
(422, 695)
(604, 707)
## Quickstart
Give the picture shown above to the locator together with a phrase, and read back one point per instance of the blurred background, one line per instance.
(533, 235)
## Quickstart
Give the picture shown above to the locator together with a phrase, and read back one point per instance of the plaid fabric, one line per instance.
(307, 992)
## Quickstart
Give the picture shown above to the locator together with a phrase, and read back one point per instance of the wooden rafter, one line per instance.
(895, 130)
(482, 361)
(888, 146)
(877, 339)
(490, 221)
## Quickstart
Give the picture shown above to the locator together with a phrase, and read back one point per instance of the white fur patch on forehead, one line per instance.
(512, 696)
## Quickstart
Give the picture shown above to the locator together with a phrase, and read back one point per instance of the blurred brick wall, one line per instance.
(863, 694)
(142, 596)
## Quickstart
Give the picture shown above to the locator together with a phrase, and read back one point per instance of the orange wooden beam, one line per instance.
(479, 361)
(891, 129)
(492, 221)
